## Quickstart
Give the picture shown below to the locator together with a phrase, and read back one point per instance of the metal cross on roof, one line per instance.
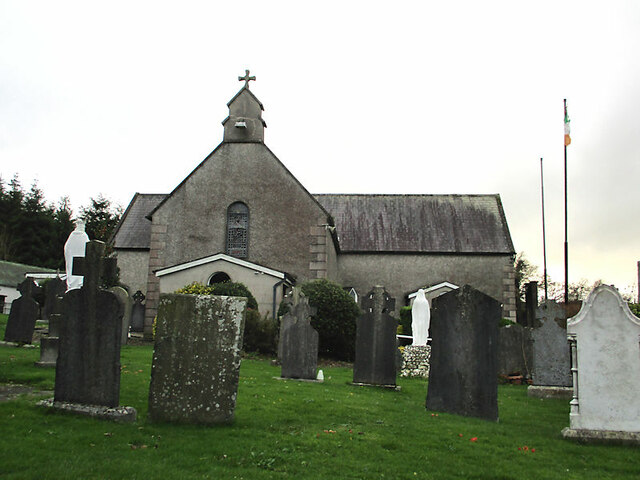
(246, 78)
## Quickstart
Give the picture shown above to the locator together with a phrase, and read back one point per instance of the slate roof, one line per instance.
(469, 224)
(472, 224)
(134, 229)
(12, 274)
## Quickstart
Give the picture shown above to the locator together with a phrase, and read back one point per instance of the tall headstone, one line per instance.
(375, 362)
(23, 315)
(514, 352)
(531, 303)
(464, 354)
(606, 369)
(137, 312)
(88, 368)
(127, 304)
(75, 248)
(551, 356)
(53, 290)
(196, 359)
(299, 342)
(420, 319)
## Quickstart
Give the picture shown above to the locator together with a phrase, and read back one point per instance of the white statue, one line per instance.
(420, 319)
(75, 247)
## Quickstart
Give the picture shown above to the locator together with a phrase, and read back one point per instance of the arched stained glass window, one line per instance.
(237, 230)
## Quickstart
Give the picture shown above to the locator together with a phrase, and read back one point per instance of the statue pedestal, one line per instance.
(415, 361)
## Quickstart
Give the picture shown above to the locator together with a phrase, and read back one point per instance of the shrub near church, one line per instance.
(335, 319)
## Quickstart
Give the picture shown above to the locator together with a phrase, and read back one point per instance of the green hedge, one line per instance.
(335, 319)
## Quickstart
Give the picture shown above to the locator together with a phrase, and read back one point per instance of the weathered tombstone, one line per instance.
(196, 358)
(53, 289)
(514, 353)
(531, 303)
(464, 354)
(49, 344)
(137, 312)
(23, 315)
(551, 356)
(605, 355)
(299, 342)
(375, 362)
(88, 368)
(127, 304)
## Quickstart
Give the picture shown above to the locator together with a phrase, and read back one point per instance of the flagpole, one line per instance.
(566, 234)
(544, 236)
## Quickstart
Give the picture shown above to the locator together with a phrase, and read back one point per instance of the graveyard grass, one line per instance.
(289, 429)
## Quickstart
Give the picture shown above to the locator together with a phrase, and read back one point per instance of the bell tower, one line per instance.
(244, 123)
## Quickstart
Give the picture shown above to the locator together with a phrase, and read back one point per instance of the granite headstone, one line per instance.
(53, 290)
(88, 367)
(299, 342)
(375, 362)
(551, 355)
(464, 354)
(23, 315)
(196, 359)
(137, 312)
(127, 304)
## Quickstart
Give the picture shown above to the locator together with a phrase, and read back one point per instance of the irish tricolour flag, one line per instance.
(567, 129)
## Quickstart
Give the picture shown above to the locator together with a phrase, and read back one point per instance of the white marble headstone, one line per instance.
(605, 342)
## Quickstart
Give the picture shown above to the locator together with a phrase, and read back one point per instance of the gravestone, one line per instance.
(464, 354)
(551, 356)
(137, 312)
(127, 304)
(53, 289)
(49, 343)
(88, 367)
(530, 303)
(196, 358)
(23, 315)
(605, 355)
(299, 342)
(375, 362)
(514, 352)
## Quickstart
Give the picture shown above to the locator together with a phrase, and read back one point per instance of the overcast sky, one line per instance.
(360, 97)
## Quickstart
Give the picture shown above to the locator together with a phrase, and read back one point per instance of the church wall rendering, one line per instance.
(402, 274)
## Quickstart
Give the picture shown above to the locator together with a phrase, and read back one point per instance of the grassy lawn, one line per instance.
(287, 429)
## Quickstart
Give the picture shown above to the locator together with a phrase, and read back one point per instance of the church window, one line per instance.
(237, 229)
(219, 277)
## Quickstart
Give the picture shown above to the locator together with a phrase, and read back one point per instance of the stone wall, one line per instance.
(402, 274)
(134, 268)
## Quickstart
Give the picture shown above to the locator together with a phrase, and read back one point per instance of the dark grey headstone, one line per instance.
(53, 290)
(514, 350)
(551, 353)
(375, 362)
(23, 315)
(531, 303)
(464, 354)
(196, 358)
(137, 312)
(88, 368)
(127, 304)
(299, 353)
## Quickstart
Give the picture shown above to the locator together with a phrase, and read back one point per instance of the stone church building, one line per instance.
(241, 215)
